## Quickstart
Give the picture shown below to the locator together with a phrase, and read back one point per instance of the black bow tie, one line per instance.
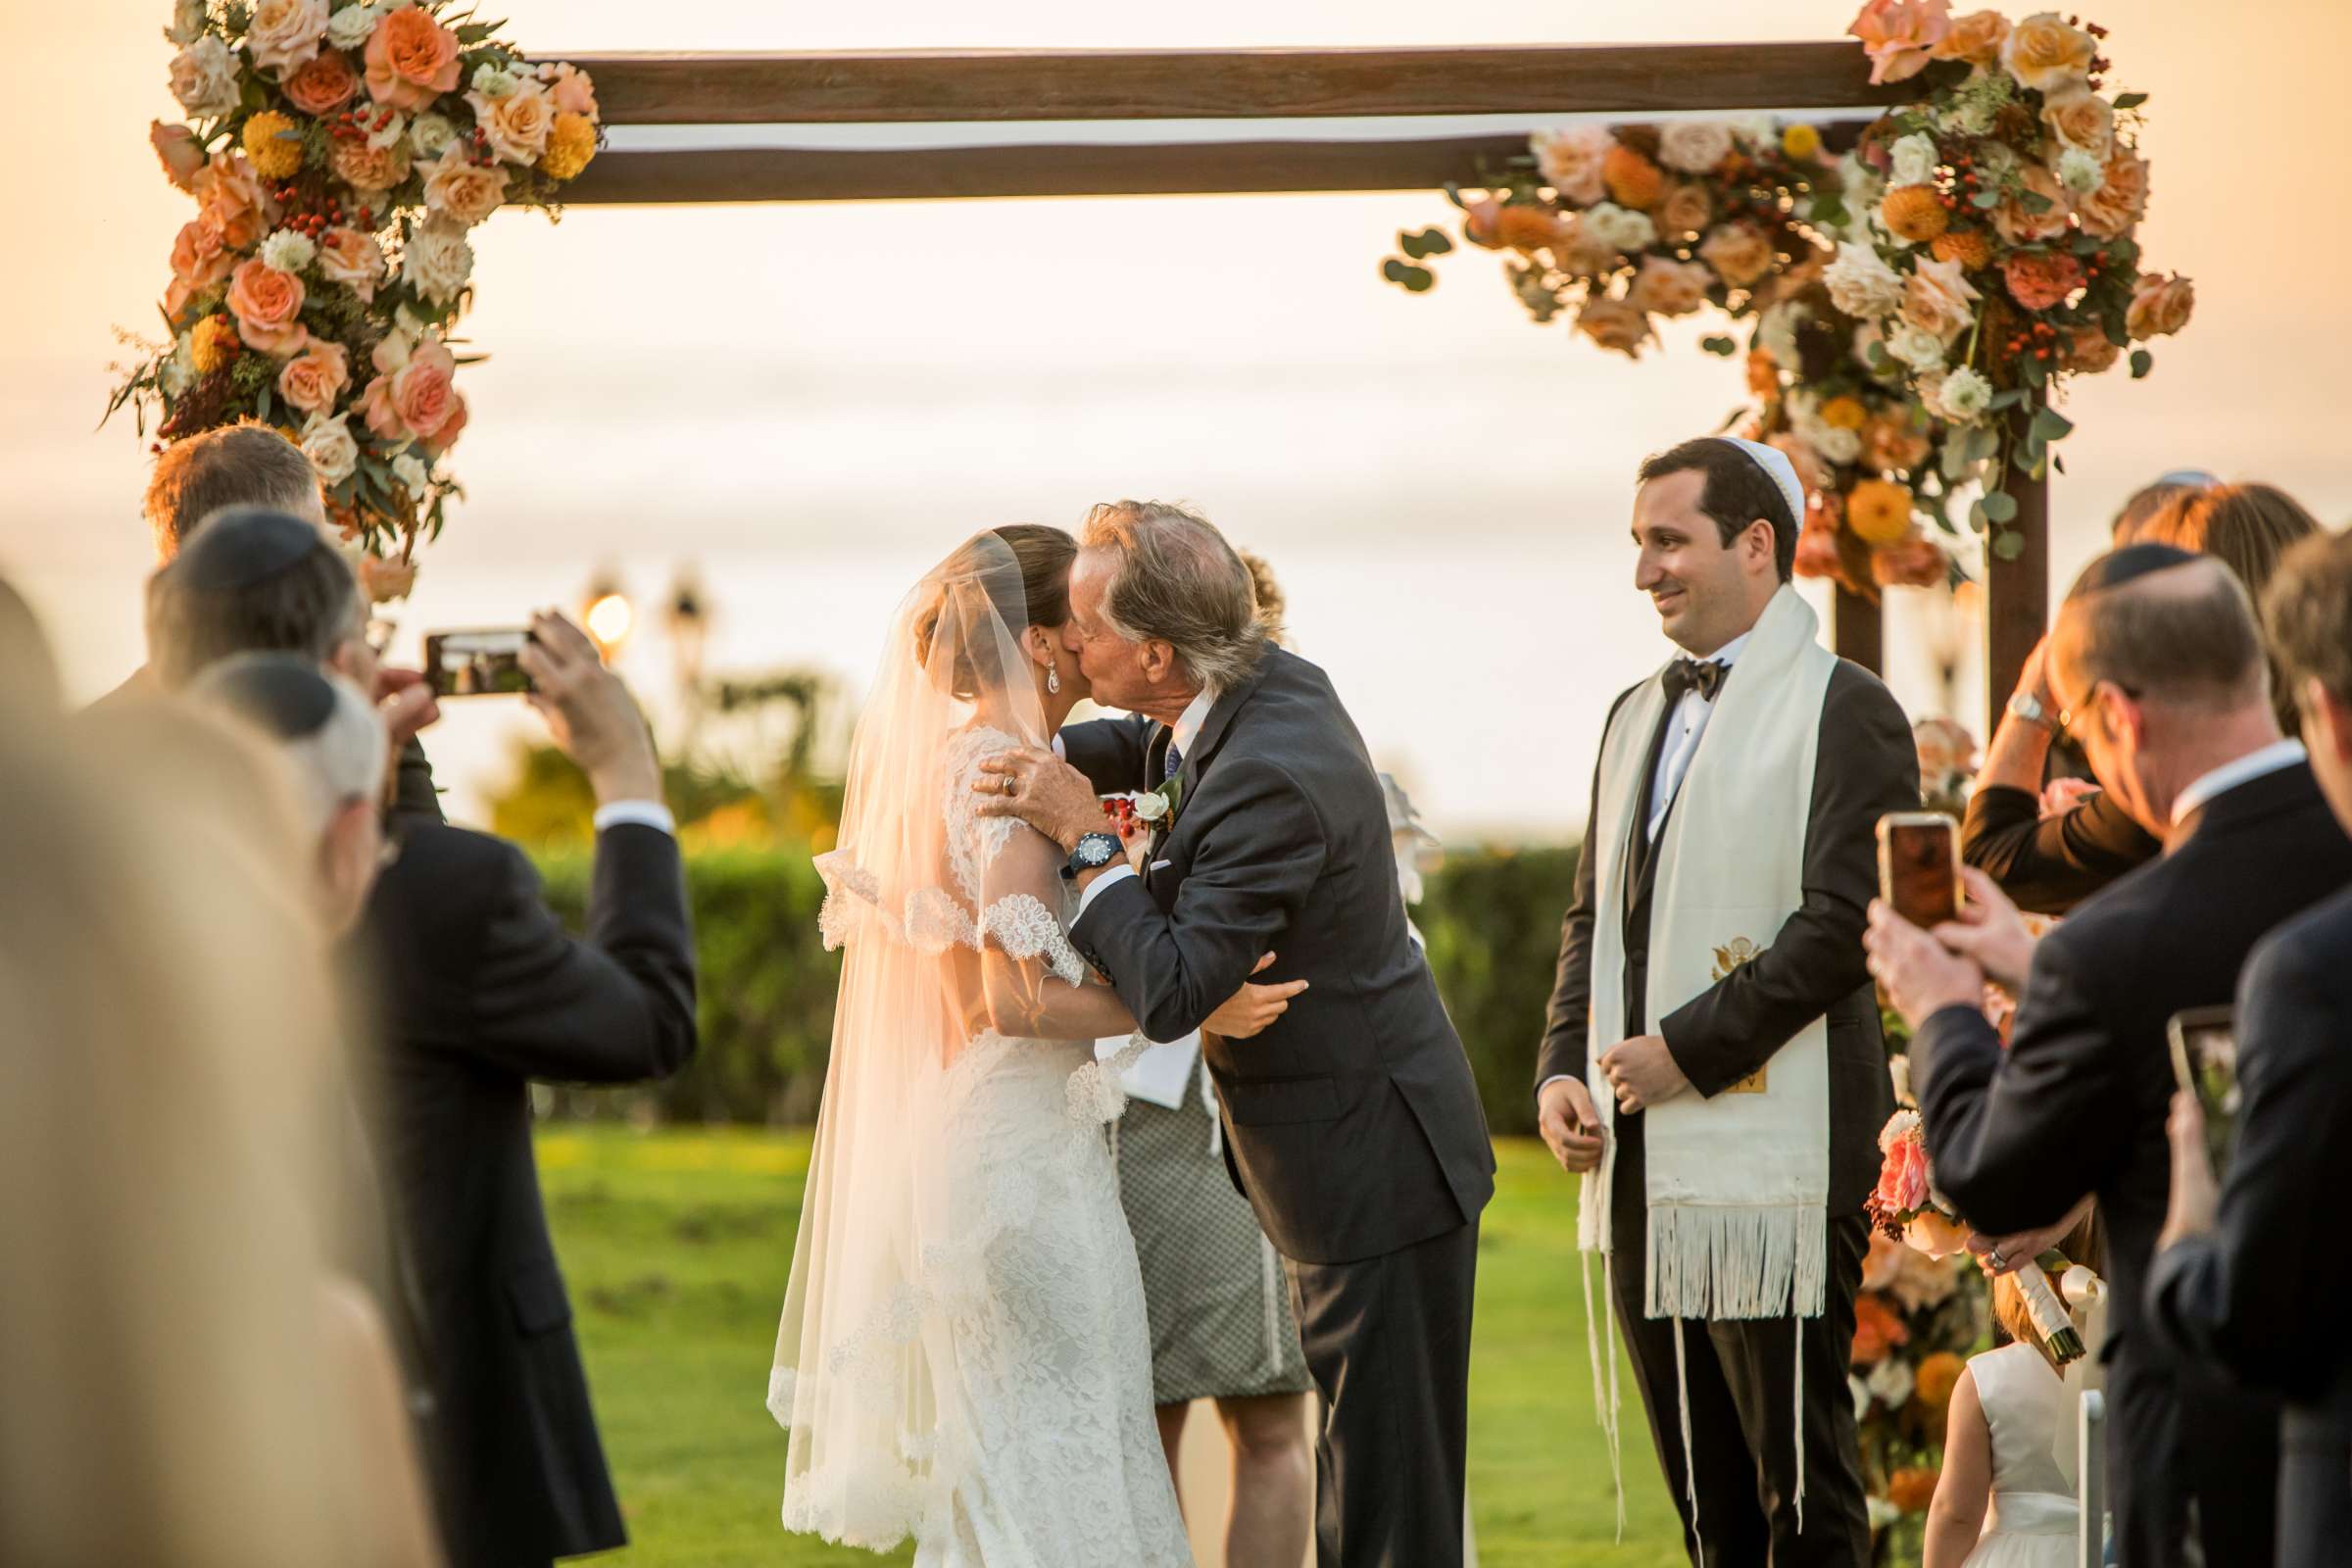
(1704, 678)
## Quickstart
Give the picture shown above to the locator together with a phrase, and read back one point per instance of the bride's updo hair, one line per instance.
(1042, 555)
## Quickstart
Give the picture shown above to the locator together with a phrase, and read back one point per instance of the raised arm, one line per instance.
(1032, 982)
(1110, 751)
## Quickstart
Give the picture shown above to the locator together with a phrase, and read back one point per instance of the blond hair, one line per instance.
(247, 463)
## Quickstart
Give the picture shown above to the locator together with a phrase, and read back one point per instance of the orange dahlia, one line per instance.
(1914, 213)
(1845, 413)
(1972, 248)
(1879, 510)
(270, 142)
(1633, 179)
(212, 343)
(1912, 1488)
(1937, 1376)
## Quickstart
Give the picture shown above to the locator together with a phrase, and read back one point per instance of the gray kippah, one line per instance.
(237, 547)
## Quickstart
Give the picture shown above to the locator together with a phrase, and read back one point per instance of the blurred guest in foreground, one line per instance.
(2150, 499)
(2049, 850)
(2257, 1282)
(2156, 656)
(30, 670)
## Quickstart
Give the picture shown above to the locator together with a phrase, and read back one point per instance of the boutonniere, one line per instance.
(1157, 808)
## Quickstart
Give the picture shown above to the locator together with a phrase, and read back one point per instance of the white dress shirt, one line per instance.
(1685, 726)
(1188, 730)
(644, 813)
(2230, 775)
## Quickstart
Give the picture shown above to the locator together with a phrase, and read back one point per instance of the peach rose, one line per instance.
(2022, 228)
(229, 197)
(266, 303)
(312, 379)
(1571, 160)
(414, 393)
(1939, 299)
(1900, 35)
(323, 86)
(2039, 282)
(572, 89)
(2160, 305)
(2081, 117)
(1975, 38)
(382, 579)
(1576, 252)
(1616, 325)
(1738, 252)
(2089, 350)
(178, 151)
(2120, 200)
(284, 34)
(517, 124)
(348, 257)
(1910, 563)
(199, 262)
(1686, 210)
(369, 170)
(1669, 288)
(459, 188)
(2045, 54)
(412, 60)
(1816, 550)
(1892, 439)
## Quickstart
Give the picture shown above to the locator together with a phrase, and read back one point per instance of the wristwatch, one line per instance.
(2027, 707)
(1095, 850)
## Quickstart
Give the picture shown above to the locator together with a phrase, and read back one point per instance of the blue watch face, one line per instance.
(1096, 848)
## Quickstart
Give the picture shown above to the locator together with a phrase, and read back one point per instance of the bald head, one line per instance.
(2165, 626)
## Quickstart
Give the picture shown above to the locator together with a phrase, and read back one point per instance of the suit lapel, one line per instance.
(1204, 745)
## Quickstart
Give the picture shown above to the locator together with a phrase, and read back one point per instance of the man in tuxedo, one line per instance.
(2256, 1281)
(481, 992)
(2156, 660)
(1715, 523)
(1353, 1122)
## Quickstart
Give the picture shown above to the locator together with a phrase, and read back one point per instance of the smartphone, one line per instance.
(476, 663)
(2205, 1061)
(1919, 866)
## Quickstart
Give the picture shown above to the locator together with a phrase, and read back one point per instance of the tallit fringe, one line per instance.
(1605, 1396)
(1721, 1263)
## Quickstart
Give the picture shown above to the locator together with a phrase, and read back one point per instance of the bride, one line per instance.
(964, 1356)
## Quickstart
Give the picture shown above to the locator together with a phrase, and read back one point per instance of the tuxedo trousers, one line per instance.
(1747, 1403)
(1388, 1344)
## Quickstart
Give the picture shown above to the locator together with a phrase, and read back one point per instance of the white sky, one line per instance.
(813, 402)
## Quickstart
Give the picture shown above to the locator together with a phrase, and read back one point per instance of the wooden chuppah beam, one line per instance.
(945, 85)
(2017, 596)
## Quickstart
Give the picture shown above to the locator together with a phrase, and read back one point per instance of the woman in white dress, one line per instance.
(963, 1357)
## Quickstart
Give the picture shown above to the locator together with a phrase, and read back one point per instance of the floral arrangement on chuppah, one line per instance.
(1918, 302)
(340, 155)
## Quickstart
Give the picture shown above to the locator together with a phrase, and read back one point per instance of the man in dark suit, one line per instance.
(481, 992)
(2256, 1282)
(2157, 660)
(1717, 535)
(1352, 1121)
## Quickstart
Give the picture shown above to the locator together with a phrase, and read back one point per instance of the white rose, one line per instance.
(1917, 347)
(2080, 172)
(493, 81)
(288, 251)
(329, 446)
(1862, 284)
(1776, 332)
(1756, 130)
(389, 132)
(1620, 227)
(1834, 443)
(1964, 397)
(410, 471)
(284, 36)
(203, 77)
(1150, 808)
(350, 27)
(1695, 146)
(188, 21)
(429, 133)
(179, 370)
(437, 262)
(1890, 1381)
(1860, 182)
(1914, 158)
(1866, 337)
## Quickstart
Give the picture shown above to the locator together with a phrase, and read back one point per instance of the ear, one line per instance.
(1041, 641)
(1756, 545)
(1156, 658)
(2124, 714)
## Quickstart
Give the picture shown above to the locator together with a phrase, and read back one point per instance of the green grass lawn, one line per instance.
(677, 1244)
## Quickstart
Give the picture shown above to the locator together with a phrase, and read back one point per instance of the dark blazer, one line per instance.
(2264, 1296)
(482, 992)
(1354, 1120)
(2051, 863)
(1867, 765)
(2077, 1103)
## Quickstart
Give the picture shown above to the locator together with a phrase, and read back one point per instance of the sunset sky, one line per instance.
(811, 404)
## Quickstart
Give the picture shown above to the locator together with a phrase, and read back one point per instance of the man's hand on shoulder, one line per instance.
(1042, 790)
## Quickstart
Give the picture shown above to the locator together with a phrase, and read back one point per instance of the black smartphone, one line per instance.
(2205, 1063)
(1919, 866)
(476, 663)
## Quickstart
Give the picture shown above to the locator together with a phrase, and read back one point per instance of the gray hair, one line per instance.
(1178, 582)
(339, 761)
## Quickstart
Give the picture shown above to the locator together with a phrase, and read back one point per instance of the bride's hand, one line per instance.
(1249, 1009)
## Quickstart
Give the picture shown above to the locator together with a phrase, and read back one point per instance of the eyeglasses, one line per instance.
(2067, 716)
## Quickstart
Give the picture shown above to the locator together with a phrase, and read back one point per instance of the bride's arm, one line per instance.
(1033, 983)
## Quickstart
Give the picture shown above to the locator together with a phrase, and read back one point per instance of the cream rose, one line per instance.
(203, 77)
(266, 303)
(2045, 54)
(333, 452)
(369, 170)
(349, 28)
(1975, 38)
(516, 125)
(1738, 252)
(413, 475)
(431, 135)
(189, 23)
(1860, 283)
(493, 81)
(1917, 347)
(1686, 209)
(229, 197)
(1912, 159)
(1571, 160)
(459, 189)
(2121, 198)
(1669, 288)
(284, 34)
(2080, 117)
(438, 262)
(1621, 227)
(352, 258)
(1577, 251)
(1937, 297)
(2020, 226)
(1695, 146)
(2160, 305)
(312, 379)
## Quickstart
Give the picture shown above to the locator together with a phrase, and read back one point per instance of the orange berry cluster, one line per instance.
(2038, 339)
(357, 124)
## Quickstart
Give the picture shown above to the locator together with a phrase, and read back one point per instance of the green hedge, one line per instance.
(1492, 920)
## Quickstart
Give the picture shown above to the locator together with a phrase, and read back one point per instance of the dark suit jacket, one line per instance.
(2077, 1103)
(1353, 1123)
(2050, 864)
(2264, 1296)
(482, 992)
(1867, 765)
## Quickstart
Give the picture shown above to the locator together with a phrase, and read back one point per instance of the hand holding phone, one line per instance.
(1919, 866)
(2204, 1042)
(483, 662)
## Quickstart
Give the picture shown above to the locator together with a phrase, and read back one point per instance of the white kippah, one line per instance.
(1779, 469)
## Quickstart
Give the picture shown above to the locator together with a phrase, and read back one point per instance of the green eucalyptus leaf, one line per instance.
(2009, 544)
(1718, 345)
(1977, 517)
(2130, 100)
(2142, 362)
(2051, 425)
(2000, 505)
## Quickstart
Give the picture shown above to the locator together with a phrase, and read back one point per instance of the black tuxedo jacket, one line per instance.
(1352, 1121)
(482, 992)
(2264, 1296)
(1867, 765)
(2051, 863)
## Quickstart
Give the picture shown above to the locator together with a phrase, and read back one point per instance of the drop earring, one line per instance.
(1052, 681)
